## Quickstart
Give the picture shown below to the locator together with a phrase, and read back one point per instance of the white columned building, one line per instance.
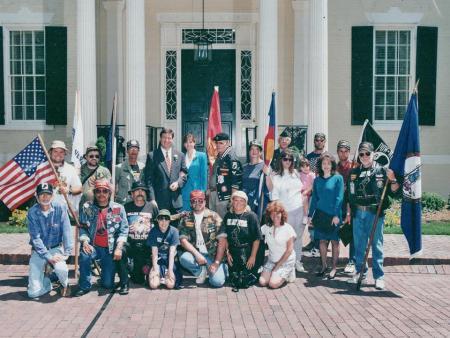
(86, 68)
(267, 61)
(135, 108)
(114, 57)
(318, 69)
(301, 61)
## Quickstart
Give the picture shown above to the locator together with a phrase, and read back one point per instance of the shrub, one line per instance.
(19, 218)
(432, 201)
(101, 144)
(392, 217)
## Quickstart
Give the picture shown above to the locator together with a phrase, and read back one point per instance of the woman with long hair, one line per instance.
(325, 209)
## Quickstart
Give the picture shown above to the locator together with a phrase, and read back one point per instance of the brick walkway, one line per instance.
(14, 249)
(416, 303)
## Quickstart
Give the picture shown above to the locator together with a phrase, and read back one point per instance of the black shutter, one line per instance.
(56, 75)
(362, 74)
(426, 63)
(2, 86)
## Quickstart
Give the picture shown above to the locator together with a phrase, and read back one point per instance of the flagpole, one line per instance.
(69, 205)
(114, 146)
(372, 234)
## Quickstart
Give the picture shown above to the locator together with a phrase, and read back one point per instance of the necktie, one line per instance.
(168, 161)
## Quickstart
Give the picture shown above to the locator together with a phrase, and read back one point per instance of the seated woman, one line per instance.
(243, 235)
(280, 237)
(164, 239)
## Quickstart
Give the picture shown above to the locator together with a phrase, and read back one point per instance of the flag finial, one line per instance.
(416, 87)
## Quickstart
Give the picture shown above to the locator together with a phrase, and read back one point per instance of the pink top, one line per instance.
(307, 180)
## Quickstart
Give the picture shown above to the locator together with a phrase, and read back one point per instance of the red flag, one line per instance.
(269, 140)
(20, 176)
(214, 126)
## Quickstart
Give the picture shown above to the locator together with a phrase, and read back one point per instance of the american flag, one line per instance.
(20, 176)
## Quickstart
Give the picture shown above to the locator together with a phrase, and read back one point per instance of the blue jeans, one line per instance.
(217, 280)
(38, 283)
(107, 264)
(351, 253)
(362, 226)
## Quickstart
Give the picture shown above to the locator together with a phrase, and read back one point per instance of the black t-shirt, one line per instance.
(140, 220)
(242, 230)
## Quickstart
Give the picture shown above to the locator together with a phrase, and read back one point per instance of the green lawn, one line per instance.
(5, 228)
(431, 228)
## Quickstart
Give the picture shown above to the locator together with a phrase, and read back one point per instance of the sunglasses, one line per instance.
(319, 140)
(101, 191)
(197, 201)
(163, 218)
(287, 159)
(367, 153)
(94, 156)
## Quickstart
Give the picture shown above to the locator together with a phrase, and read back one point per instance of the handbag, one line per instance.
(346, 233)
(323, 221)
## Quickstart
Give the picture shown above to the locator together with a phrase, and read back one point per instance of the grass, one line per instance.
(5, 228)
(428, 228)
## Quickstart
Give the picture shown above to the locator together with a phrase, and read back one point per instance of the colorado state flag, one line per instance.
(269, 140)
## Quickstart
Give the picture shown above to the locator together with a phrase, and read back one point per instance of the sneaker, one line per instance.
(354, 279)
(379, 283)
(350, 268)
(291, 277)
(315, 252)
(202, 277)
(299, 266)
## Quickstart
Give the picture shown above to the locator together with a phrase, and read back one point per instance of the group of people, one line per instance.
(172, 215)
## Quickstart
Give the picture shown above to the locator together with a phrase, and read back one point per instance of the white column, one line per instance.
(301, 61)
(114, 57)
(267, 59)
(135, 108)
(318, 69)
(86, 72)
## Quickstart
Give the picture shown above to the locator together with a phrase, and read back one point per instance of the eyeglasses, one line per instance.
(163, 218)
(197, 201)
(101, 191)
(367, 153)
(94, 156)
(287, 159)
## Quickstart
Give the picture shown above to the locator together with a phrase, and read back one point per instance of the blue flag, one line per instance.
(407, 167)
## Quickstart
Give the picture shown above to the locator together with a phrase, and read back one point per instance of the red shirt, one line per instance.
(101, 233)
(344, 169)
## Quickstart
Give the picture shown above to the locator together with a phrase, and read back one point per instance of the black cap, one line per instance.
(285, 134)
(255, 143)
(221, 137)
(139, 185)
(44, 188)
(365, 146)
(133, 143)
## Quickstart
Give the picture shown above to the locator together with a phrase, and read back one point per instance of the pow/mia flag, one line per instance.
(383, 153)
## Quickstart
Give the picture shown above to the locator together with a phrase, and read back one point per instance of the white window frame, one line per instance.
(394, 124)
(10, 123)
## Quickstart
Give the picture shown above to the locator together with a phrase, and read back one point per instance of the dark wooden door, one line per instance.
(197, 86)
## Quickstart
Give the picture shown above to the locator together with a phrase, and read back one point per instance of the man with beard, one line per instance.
(90, 172)
(319, 147)
(70, 183)
(49, 227)
(103, 237)
(140, 214)
(128, 172)
(284, 141)
(203, 248)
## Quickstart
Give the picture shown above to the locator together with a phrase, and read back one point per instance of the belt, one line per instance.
(371, 208)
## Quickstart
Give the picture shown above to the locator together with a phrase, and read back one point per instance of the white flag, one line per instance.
(77, 135)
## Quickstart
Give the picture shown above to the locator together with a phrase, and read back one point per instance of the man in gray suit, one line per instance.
(165, 173)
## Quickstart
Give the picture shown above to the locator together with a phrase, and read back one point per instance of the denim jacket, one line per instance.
(46, 232)
(116, 223)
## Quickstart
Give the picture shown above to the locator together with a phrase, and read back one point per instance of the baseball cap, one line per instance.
(44, 188)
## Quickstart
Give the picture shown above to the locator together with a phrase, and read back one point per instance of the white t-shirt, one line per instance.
(288, 189)
(69, 176)
(200, 245)
(277, 244)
